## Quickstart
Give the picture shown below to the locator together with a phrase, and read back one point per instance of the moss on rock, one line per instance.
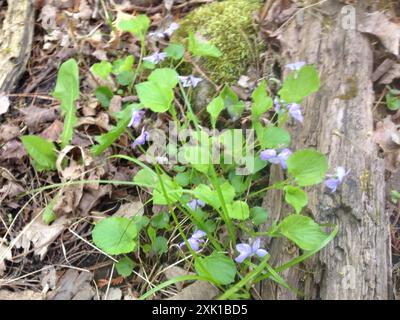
(228, 25)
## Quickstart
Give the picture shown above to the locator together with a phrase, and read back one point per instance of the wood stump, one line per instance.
(15, 41)
(338, 122)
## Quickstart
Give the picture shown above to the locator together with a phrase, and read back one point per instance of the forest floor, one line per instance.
(59, 261)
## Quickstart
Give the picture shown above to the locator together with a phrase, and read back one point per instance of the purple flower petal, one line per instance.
(277, 105)
(261, 253)
(241, 257)
(167, 32)
(141, 140)
(194, 244)
(136, 118)
(295, 66)
(195, 203)
(341, 173)
(171, 29)
(201, 203)
(283, 156)
(244, 248)
(198, 234)
(295, 112)
(268, 154)
(189, 81)
(244, 251)
(156, 57)
(332, 183)
(255, 245)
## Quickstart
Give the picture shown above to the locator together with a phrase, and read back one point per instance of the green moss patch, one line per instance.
(228, 25)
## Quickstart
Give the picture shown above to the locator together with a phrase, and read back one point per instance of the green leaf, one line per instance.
(104, 95)
(216, 267)
(160, 245)
(238, 210)
(115, 235)
(307, 166)
(140, 222)
(303, 231)
(175, 51)
(173, 191)
(123, 65)
(102, 69)
(202, 48)
(138, 26)
(67, 92)
(258, 215)
(214, 109)
(228, 192)
(392, 102)
(107, 139)
(300, 84)
(147, 177)
(183, 178)
(198, 157)
(126, 78)
(160, 221)
(205, 194)
(165, 77)
(261, 101)
(41, 151)
(296, 197)
(234, 106)
(156, 97)
(125, 267)
(49, 215)
(274, 138)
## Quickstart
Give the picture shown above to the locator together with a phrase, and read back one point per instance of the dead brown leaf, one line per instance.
(9, 132)
(40, 235)
(12, 150)
(35, 116)
(74, 285)
(200, 290)
(173, 272)
(115, 104)
(392, 74)
(53, 132)
(4, 103)
(130, 209)
(20, 295)
(378, 24)
(91, 198)
(387, 136)
(5, 254)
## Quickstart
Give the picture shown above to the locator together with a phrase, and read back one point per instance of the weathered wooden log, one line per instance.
(338, 122)
(15, 41)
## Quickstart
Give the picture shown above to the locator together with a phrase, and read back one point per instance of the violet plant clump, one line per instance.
(215, 198)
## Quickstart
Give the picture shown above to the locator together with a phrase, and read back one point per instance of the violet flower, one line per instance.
(277, 105)
(295, 111)
(136, 118)
(141, 140)
(249, 250)
(171, 29)
(189, 81)
(195, 204)
(195, 240)
(274, 157)
(156, 57)
(336, 179)
(296, 66)
(167, 32)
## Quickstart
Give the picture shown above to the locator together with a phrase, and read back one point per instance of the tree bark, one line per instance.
(338, 122)
(15, 41)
